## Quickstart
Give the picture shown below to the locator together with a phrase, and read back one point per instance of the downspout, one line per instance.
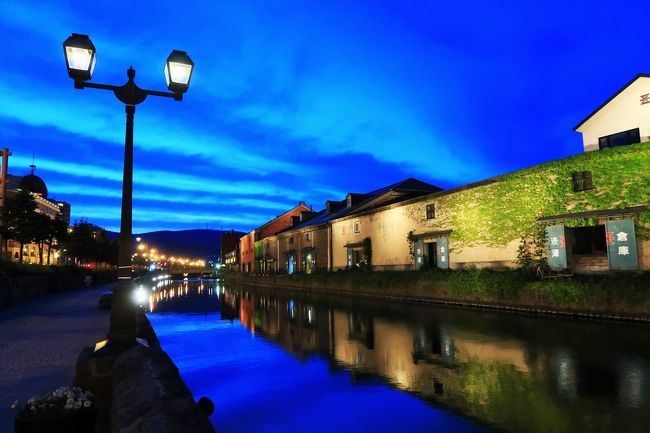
(330, 264)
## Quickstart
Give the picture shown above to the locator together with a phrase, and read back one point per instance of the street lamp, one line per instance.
(81, 56)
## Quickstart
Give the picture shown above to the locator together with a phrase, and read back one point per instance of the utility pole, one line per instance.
(3, 192)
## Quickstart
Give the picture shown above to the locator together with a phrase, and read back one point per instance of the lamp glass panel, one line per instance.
(179, 73)
(79, 58)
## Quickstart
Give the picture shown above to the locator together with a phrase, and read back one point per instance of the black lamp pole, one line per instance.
(122, 329)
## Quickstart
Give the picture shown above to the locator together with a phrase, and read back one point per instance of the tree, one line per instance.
(81, 243)
(88, 242)
(40, 233)
(20, 218)
(56, 235)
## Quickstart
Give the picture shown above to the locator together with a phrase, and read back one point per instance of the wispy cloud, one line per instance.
(169, 180)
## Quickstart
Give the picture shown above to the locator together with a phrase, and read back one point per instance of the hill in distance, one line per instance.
(184, 243)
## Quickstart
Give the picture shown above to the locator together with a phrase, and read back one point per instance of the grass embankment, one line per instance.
(626, 295)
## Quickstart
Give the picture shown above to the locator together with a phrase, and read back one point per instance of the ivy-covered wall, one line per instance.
(506, 210)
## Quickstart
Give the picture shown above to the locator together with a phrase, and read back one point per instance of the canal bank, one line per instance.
(607, 297)
(140, 389)
(277, 360)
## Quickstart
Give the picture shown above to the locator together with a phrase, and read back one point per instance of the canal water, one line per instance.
(277, 361)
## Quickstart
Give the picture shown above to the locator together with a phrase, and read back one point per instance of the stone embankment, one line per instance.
(141, 389)
(616, 297)
(150, 396)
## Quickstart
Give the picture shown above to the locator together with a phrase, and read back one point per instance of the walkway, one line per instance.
(40, 342)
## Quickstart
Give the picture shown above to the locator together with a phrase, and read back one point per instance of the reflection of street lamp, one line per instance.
(80, 56)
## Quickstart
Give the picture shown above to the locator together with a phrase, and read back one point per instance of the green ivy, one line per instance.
(498, 213)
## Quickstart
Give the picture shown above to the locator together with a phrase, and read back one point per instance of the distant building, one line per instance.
(229, 242)
(44, 205)
(306, 246)
(231, 259)
(623, 119)
(251, 245)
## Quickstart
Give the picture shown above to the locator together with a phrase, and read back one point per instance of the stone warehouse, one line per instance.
(579, 204)
(586, 213)
(623, 119)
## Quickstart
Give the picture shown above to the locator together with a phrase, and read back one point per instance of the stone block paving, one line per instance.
(40, 342)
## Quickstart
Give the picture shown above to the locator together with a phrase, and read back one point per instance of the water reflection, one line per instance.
(506, 372)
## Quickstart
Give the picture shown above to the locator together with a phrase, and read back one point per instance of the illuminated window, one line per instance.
(291, 240)
(308, 237)
(357, 226)
(431, 211)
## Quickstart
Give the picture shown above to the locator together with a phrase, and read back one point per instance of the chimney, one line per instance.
(304, 216)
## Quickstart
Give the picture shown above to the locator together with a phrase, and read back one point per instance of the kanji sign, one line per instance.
(418, 253)
(442, 253)
(556, 247)
(645, 99)
(621, 245)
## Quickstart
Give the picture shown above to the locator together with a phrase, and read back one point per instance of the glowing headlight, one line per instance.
(141, 296)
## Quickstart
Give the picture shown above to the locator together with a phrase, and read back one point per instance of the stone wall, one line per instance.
(150, 396)
(17, 289)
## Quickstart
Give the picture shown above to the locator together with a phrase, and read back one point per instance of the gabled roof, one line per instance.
(300, 205)
(400, 191)
(610, 99)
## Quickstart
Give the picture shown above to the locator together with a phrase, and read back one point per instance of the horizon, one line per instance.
(304, 102)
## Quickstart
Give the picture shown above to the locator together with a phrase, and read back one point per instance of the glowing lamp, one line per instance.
(178, 71)
(80, 57)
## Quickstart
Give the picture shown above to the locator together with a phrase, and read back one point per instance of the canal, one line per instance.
(276, 361)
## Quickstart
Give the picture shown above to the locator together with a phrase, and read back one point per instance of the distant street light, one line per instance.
(81, 56)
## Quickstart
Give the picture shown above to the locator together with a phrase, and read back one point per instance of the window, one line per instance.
(431, 211)
(291, 240)
(357, 226)
(620, 139)
(582, 181)
(308, 237)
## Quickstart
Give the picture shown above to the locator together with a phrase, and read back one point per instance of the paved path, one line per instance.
(40, 342)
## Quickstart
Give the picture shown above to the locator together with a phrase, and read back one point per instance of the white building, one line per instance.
(622, 119)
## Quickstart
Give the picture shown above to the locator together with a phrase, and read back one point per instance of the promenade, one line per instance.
(40, 342)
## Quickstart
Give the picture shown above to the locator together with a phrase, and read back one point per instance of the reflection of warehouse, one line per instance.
(452, 362)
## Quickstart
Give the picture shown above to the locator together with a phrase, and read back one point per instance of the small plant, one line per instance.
(531, 252)
(62, 403)
(411, 239)
(367, 253)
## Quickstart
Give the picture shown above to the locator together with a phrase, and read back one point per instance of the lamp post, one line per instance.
(81, 56)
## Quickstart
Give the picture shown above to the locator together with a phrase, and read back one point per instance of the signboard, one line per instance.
(556, 247)
(621, 245)
(419, 253)
(443, 253)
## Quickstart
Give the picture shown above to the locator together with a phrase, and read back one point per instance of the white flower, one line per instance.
(87, 403)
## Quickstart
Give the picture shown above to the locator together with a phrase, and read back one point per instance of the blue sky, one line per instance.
(304, 101)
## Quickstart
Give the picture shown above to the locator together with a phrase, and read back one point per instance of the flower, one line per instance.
(60, 403)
